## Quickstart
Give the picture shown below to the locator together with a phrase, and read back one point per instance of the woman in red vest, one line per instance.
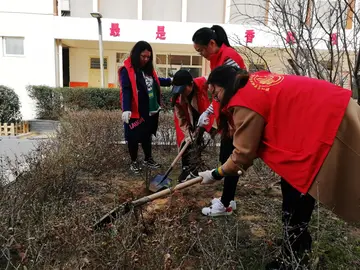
(190, 100)
(140, 98)
(213, 44)
(304, 129)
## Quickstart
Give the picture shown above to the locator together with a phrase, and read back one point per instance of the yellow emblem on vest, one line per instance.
(265, 81)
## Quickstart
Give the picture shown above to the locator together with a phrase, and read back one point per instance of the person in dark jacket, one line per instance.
(140, 98)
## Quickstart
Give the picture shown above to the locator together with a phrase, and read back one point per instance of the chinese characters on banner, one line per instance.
(115, 30)
(334, 39)
(161, 34)
(290, 39)
(249, 35)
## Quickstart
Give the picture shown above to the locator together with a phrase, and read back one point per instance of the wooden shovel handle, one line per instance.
(180, 153)
(114, 213)
(165, 192)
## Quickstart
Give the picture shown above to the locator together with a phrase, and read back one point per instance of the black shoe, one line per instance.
(184, 173)
(150, 163)
(276, 264)
(187, 174)
(134, 167)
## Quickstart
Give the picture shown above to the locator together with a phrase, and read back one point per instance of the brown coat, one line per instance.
(337, 184)
(181, 114)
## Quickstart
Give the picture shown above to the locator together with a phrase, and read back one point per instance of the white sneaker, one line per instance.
(217, 209)
(232, 203)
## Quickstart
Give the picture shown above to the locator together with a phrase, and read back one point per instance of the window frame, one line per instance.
(168, 67)
(106, 60)
(5, 54)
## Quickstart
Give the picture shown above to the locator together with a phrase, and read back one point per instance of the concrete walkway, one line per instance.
(13, 150)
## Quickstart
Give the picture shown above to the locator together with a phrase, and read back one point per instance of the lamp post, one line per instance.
(98, 16)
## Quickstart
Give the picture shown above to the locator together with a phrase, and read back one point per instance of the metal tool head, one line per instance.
(156, 184)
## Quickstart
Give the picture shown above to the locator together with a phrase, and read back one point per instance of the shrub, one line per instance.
(47, 100)
(93, 138)
(52, 102)
(9, 105)
(90, 98)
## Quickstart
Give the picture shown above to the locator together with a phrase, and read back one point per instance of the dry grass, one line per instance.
(74, 179)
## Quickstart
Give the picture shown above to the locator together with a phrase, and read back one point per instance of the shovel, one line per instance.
(160, 181)
(126, 207)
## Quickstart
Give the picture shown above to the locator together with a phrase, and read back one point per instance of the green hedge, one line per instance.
(52, 102)
(9, 105)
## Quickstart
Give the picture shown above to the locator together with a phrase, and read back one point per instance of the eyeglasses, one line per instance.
(214, 93)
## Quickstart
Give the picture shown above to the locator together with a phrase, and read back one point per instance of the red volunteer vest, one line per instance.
(202, 104)
(219, 59)
(134, 101)
(302, 116)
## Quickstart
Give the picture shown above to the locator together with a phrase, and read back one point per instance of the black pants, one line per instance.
(191, 156)
(186, 157)
(133, 146)
(296, 214)
(230, 182)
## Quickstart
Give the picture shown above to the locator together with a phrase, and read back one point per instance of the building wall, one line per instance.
(124, 9)
(37, 65)
(169, 33)
(26, 6)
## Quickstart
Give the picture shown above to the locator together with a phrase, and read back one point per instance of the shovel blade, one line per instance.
(154, 183)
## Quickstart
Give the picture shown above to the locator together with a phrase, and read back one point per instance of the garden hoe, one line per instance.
(161, 181)
(128, 206)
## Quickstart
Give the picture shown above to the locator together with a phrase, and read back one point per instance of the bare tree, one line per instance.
(318, 38)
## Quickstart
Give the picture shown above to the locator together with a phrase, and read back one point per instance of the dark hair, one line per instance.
(205, 34)
(231, 79)
(138, 48)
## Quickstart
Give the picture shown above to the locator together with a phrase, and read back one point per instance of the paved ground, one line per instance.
(14, 148)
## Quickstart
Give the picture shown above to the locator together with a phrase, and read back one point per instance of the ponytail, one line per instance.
(231, 79)
(221, 36)
(204, 35)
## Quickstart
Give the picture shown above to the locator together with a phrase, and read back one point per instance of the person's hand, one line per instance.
(207, 177)
(203, 119)
(126, 116)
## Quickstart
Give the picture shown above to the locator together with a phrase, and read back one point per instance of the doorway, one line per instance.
(66, 66)
(95, 73)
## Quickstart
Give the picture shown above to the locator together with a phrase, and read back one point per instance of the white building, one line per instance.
(55, 42)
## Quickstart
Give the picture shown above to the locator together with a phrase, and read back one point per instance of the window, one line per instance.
(180, 60)
(13, 46)
(215, 11)
(80, 8)
(249, 12)
(168, 64)
(119, 9)
(326, 64)
(330, 14)
(162, 10)
(121, 57)
(95, 63)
